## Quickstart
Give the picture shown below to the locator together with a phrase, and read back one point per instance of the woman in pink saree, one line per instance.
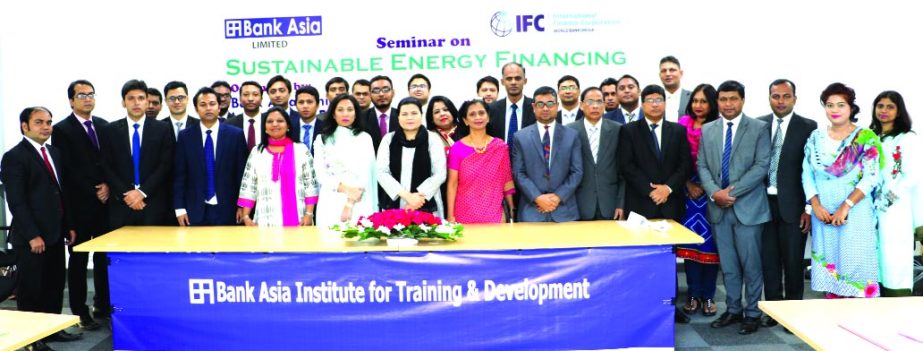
(479, 178)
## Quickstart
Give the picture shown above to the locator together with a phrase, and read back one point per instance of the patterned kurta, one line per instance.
(695, 218)
(895, 211)
(257, 185)
(844, 258)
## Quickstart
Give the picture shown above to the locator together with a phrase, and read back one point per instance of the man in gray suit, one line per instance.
(733, 164)
(547, 164)
(677, 98)
(601, 193)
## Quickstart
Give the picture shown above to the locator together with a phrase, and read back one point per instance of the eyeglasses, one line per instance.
(177, 98)
(593, 102)
(83, 96)
(654, 101)
(225, 95)
(548, 104)
(384, 90)
(568, 88)
(418, 86)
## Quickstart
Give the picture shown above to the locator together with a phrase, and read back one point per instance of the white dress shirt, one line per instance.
(257, 127)
(568, 116)
(672, 104)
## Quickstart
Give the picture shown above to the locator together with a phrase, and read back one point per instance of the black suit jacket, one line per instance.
(189, 173)
(640, 167)
(369, 124)
(559, 119)
(497, 128)
(83, 164)
(169, 121)
(156, 167)
(790, 189)
(35, 200)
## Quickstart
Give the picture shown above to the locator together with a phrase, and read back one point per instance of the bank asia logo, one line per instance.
(273, 27)
(502, 23)
(201, 291)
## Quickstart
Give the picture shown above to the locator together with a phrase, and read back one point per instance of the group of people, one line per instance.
(751, 187)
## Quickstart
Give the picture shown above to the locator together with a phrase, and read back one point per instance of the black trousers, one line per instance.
(783, 257)
(77, 278)
(41, 279)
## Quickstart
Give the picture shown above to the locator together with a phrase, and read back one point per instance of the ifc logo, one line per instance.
(500, 24)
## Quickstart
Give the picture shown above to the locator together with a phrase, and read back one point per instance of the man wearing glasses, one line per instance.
(77, 139)
(418, 87)
(547, 164)
(224, 99)
(362, 93)
(569, 89)
(382, 118)
(601, 194)
(177, 101)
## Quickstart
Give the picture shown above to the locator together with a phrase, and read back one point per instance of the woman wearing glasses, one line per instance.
(842, 165)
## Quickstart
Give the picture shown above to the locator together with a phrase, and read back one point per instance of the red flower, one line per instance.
(831, 267)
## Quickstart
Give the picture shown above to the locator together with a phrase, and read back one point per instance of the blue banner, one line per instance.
(551, 299)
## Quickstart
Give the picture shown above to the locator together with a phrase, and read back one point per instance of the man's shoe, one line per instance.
(726, 319)
(749, 326)
(87, 323)
(39, 346)
(64, 336)
(769, 322)
(680, 317)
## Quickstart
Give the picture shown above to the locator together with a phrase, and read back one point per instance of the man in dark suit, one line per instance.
(251, 121)
(306, 101)
(629, 109)
(77, 139)
(655, 161)
(138, 163)
(514, 112)
(41, 226)
(224, 96)
(547, 165)
(154, 103)
(178, 104)
(609, 87)
(382, 118)
(601, 193)
(209, 163)
(733, 162)
(569, 89)
(279, 90)
(671, 76)
(785, 234)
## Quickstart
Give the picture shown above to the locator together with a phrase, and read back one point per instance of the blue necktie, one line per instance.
(209, 165)
(136, 154)
(546, 152)
(306, 139)
(656, 143)
(514, 124)
(726, 157)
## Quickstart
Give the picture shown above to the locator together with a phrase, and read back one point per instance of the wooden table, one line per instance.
(818, 322)
(19, 329)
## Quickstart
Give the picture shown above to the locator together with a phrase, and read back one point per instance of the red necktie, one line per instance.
(48, 166)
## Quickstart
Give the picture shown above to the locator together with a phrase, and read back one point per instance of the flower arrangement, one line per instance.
(400, 223)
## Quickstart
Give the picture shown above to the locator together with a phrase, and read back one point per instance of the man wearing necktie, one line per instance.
(77, 139)
(734, 155)
(306, 99)
(514, 112)
(41, 225)
(381, 118)
(251, 121)
(138, 161)
(547, 164)
(601, 194)
(785, 234)
(177, 98)
(208, 167)
(629, 109)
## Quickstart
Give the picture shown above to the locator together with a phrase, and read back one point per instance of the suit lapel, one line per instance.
(605, 141)
(584, 138)
(741, 133)
(666, 140)
(556, 142)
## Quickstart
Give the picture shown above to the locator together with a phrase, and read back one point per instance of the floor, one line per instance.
(695, 336)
